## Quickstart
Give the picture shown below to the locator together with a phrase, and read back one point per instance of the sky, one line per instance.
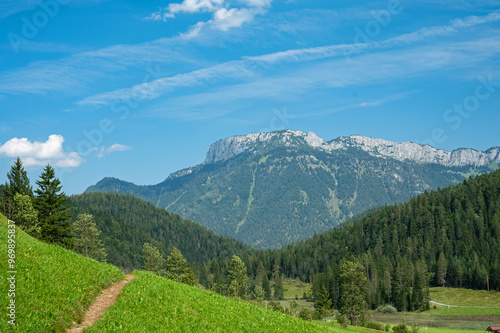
(140, 89)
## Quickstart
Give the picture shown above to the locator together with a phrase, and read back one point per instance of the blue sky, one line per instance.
(140, 89)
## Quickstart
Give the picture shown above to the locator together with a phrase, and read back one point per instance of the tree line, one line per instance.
(448, 237)
(45, 212)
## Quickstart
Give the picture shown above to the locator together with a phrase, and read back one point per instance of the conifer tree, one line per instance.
(324, 303)
(53, 210)
(87, 240)
(238, 278)
(18, 182)
(178, 269)
(266, 285)
(441, 270)
(278, 288)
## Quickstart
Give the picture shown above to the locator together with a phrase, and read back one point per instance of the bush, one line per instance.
(387, 327)
(374, 325)
(342, 320)
(305, 314)
(401, 328)
(388, 309)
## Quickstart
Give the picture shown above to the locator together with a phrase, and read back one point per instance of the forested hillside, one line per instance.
(449, 236)
(127, 222)
(271, 189)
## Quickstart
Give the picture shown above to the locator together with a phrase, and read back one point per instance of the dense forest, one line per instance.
(127, 222)
(449, 236)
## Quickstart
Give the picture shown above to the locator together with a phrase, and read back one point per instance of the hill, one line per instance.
(269, 189)
(127, 222)
(53, 286)
(154, 304)
(403, 246)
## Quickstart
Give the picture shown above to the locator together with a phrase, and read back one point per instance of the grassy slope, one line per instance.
(54, 286)
(465, 297)
(154, 304)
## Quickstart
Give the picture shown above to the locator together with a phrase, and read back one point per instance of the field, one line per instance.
(53, 287)
(154, 304)
(465, 297)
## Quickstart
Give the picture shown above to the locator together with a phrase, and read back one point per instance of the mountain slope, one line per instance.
(181, 308)
(269, 189)
(127, 222)
(53, 286)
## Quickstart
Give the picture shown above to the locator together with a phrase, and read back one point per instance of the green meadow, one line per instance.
(53, 286)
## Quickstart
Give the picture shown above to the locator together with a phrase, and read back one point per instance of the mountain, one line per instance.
(270, 189)
(127, 222)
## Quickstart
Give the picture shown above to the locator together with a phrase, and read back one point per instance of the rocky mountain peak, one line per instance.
(228, 148)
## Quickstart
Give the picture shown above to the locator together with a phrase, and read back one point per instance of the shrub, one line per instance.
(387, 327)
(388, 309)
(305, 314)
(401, 328)
(342, 320)
(374, 325)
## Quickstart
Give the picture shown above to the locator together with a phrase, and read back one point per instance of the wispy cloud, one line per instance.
(249, 66)
(103, 151)
(71, 74)
(40, 153)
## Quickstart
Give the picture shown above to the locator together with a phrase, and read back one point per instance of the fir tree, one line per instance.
(324, 303)
(18, 182)
(441, 270)
(266, 285)
(278, 288)
(53, 210)
(238, 278)
(87, 240)
(178, 269)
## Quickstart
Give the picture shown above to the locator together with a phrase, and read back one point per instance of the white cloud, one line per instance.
(225, 19)
(40, 153)
(115, 147)
(223, 16)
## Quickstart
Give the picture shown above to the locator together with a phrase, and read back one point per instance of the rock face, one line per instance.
(270, 189)
(226, 149)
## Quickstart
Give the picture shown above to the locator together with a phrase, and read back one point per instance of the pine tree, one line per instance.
(441, 270)
(267, 287)
(324, 303)
(353, 285)
(238, 278)
(53, 209)
(87, 240)
(18, 182)
(278, 288)
(25, 215)
(178, 269)
(153, 260)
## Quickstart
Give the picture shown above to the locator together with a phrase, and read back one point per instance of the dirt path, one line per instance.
(101, 304)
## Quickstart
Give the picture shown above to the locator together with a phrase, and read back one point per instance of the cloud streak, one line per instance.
(248, 67)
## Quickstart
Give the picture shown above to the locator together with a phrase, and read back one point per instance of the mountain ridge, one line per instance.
(404, 150)
(270, 189)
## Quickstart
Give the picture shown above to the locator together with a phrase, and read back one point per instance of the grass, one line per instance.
(54, 286)
(154, 304)
(465, 297)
